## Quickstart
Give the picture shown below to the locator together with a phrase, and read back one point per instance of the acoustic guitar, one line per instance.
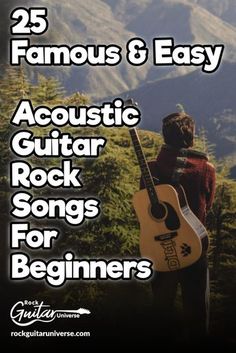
(171, 236)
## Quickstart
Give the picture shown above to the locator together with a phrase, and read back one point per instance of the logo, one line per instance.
(25, 313)
(171, 256)
(185, 249)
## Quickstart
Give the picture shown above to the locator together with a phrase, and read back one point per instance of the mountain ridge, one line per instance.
(212, 108)
(93, 22)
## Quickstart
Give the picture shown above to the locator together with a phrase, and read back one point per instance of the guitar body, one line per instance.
(177, 238)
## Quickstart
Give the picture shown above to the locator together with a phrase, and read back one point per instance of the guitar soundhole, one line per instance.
(167, 213)
(158, 211)
(172, 220)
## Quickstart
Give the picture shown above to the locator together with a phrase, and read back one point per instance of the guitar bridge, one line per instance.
(166, 236)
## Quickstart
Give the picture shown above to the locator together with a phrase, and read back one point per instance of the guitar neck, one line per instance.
(146, 174)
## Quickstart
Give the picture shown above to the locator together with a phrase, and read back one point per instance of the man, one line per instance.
(178, 163)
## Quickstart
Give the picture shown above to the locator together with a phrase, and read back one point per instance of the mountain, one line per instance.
(225, 9)
(209, 99)
(187, 23)
(108, 21)
(126, 10)
(206, 96)
(88, 22)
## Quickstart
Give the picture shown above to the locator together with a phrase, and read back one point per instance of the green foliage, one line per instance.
(77, 99)
(14, 86)
(113, 178)
(222, 226)
(48, 91)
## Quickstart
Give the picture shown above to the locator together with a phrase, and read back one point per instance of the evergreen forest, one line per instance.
(113, 178)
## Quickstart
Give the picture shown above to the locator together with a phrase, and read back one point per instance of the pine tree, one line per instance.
(14, 86)
(222, 224)
(77, 99)
(48, 91)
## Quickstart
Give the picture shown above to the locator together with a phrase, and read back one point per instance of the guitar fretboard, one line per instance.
(146, 174)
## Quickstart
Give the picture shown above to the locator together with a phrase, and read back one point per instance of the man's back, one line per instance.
(192, 170)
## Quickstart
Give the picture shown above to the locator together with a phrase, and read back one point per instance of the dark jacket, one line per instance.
(192, 170)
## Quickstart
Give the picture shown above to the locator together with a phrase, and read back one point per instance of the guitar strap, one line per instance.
(180, 165)
(182, 161)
